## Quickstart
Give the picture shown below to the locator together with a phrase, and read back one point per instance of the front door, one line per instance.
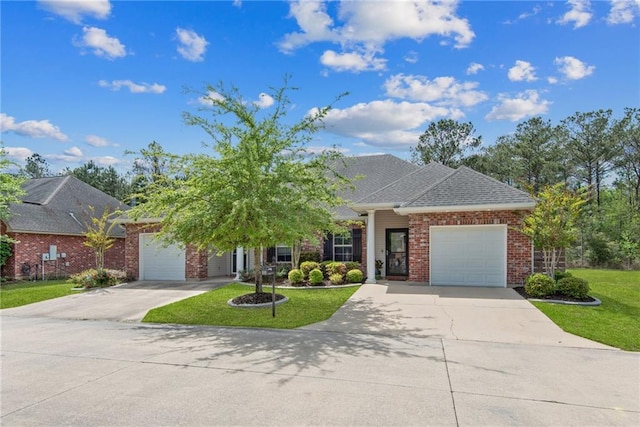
(397, 251)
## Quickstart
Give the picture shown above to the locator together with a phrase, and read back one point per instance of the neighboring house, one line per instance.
(49, 224)
(429, 224)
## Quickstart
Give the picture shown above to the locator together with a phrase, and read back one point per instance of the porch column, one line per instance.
(239, 261)
(371, 246)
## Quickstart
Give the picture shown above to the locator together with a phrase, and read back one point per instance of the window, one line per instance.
(342, 248)
(283, 253)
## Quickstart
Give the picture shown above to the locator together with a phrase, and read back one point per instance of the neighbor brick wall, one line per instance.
(518, 246)
(196, 262)
(319, 247)
(30, 248)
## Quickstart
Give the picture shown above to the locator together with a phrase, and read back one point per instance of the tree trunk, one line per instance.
(257, 256)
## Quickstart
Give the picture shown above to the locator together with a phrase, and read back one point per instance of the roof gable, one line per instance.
(59, 205)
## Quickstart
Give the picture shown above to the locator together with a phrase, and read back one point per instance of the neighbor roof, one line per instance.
(59, 205)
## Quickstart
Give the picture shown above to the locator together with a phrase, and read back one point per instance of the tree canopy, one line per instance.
(258, 187)
(445, 141)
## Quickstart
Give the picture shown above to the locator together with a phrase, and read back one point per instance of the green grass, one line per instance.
(303, 308)
(616, 322)
(17, 294)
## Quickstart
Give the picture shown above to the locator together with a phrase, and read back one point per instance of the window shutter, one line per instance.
(327, 253)
(271, 254)
(356, 238)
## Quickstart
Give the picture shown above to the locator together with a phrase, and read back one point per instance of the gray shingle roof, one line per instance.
(409, 186)
(59, 205)
(466, 187)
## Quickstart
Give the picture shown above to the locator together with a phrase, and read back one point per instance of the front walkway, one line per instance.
(498, 315)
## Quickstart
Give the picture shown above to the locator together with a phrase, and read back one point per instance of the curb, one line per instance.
(557, 301)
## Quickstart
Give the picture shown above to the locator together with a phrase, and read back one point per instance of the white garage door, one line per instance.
(158, 262)
(469, 256)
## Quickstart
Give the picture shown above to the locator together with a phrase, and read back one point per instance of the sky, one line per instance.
(91, 80)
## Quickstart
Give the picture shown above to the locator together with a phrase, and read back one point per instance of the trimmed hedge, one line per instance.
(573, 287)
(355, 276)
(540, 285)
(296, 276)
(316, 277)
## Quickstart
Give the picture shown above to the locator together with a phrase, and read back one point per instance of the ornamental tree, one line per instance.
(98, 235)
(256, 188)
(552, 224)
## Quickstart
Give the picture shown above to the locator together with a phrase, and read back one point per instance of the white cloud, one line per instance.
(191, 46)
(355, 62)
(385, 123)
(365, 29)
(237, 3)
(444, 91)
(411, 57)
(73, 154)
(18, 153)
(623, 11)
(133, 87)
(31, 128)
(100, 43)
(579, 13)
(75, 10)
(264, 100)
(96, 141)
(106, 160)
(210, 97)
(523, 70)
(573, 68)
(524, 15)
(552, 80)
(525, 104)
(474, 67)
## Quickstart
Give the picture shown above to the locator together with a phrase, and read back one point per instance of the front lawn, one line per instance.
(616, 322)
(23, 293)
(303, 308)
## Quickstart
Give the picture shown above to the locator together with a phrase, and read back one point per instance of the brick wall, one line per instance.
(30, 248)
(196, 262)
(518, 246)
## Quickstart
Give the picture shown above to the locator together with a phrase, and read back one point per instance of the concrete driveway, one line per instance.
(408, 367)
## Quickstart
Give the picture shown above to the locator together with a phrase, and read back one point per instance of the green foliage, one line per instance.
(540, 285)
(36, 167)
(296, 276)
(10, 185)
(310, 256)
(336, 268)
(307, 266)
(283, 271)
(93, 278)
(336, 279)
(355, 276)
(445, 141)
(600, 250)
(316, 277)
(258, 174)
(6, 249)
(573, 287)
(105, 179)
(559, 275)
(98, 234)
(552, 224)
(352, 265)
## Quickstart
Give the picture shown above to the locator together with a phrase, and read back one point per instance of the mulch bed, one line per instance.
(256, 298)
(557, 297)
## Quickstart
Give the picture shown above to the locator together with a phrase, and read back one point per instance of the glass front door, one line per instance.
(397, 252)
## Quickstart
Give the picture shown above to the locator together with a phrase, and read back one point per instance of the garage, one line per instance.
(469, 255)
(158, 262)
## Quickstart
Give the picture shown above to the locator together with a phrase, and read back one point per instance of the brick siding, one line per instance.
(519, 250)
(30, 248)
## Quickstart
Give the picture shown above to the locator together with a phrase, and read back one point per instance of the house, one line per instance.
(430, 224)
(49, 224)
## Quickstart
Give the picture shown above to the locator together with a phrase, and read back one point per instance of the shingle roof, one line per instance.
(59, 205)
(409, 186)
(466, 187)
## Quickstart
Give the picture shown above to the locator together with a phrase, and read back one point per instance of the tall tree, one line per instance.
(151, 166)
(445, 141)
(10, 192)
(589, 143)
(257, 189)
(627, 135)
(36, 167)
(104, 179)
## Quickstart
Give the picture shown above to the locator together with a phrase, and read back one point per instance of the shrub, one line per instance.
(559, 275)
(283, 271)
(93, 278)
(307, 266)
(310, 256)
(539, 285)
(316, 277)
(573, 287)
(336, 268)
(352, 265)
(336, 279)
(355, 276)
(296, 276)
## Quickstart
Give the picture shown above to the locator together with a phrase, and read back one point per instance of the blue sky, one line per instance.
(87, 80)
